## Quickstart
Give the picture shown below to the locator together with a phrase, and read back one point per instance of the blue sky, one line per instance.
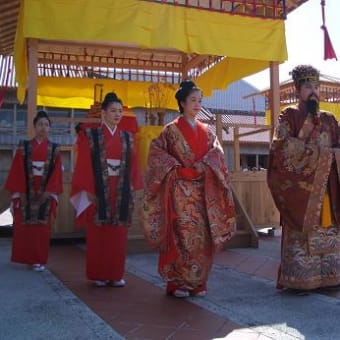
(304, 39)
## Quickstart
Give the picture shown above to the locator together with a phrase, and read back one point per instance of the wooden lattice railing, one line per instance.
(274, 9)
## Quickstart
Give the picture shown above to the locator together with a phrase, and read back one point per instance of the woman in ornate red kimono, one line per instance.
(34, 181)
(106, 174)
(188, 211)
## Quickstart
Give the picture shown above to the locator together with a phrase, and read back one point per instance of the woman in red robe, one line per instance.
(106, 174)
(188, 211)
(34, 181)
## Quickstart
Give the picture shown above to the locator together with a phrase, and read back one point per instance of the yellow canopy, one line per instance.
(248, 43)
(78, 93)
(144, 136)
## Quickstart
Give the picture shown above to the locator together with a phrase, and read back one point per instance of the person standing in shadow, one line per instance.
(34, 182)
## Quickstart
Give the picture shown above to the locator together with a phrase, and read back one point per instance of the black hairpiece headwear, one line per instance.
(110, 97)
(304, 74)
(41, 114)
(185, 88)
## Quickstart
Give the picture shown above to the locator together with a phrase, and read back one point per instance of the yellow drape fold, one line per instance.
(144, 136)
(248, 43)
(79, 93)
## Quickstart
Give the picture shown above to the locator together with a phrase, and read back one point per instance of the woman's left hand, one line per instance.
(44, 197)
(199, 166)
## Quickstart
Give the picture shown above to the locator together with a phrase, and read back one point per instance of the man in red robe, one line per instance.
(34, 181)
(188, 211)
(105, 175)
(303, 176)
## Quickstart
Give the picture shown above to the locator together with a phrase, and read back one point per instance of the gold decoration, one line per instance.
(157, 98)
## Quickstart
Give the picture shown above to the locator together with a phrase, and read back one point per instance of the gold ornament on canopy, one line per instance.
(96, 107)
(157, 98)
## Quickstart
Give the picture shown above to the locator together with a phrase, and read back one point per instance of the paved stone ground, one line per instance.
(256, 304)
(39, 306)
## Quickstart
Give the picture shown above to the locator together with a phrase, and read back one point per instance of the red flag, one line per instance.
(329, 52)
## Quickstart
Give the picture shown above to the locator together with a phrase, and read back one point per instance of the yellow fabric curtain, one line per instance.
(79, 93)
(226, 72)
(144, 136)
(248, 43)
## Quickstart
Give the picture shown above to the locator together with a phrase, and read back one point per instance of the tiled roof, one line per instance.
(232, 98)
(235, 120)
(235, 110)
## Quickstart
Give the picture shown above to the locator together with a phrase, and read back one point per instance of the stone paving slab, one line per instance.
(35, 305)
(256, 304)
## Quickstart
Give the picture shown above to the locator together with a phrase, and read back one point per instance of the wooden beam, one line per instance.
(240, 125)
(8, 19)
(219, 127)
(194, 62)
(32, 85)
(251, 132)
(51, 46)
(237, 158)
(9, 4)
(8, 33)
(8, 40)
(6, 50)
(274, 98)
(184, 71)
(11, 25)
(108, 64)
(74, 120)
(10, 13)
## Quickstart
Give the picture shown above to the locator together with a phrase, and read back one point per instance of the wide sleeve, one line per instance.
(16, 181)
(159, 178)
(55, 182)
(297, 163)
(82, 184)
(214, 159)
(83, 177)
(160, 163)
(136, 174)
(218, 193)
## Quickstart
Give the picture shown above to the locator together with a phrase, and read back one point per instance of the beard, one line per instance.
(312, 105)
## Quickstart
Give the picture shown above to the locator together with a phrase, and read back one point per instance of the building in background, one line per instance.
(247, 113)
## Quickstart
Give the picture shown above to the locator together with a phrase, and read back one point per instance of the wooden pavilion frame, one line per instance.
(126, 60)
(46, 57)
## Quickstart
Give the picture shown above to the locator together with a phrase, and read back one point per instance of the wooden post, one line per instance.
(219, 127)
(274, 97)
(32, 85)
(184, 70)
(237, 151)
